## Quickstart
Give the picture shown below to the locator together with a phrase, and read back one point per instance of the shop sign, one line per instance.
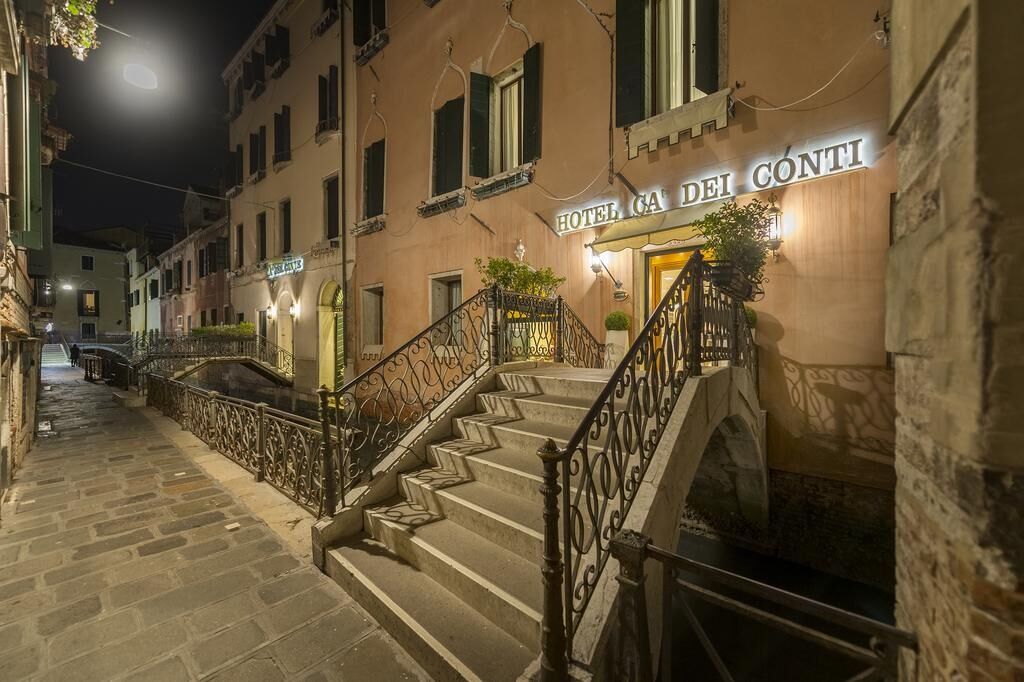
(785, 170)
(285, 266)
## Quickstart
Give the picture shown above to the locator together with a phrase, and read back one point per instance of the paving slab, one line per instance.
(119, 560)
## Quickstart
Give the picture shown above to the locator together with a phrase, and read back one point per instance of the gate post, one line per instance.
(632, 654)
(327, 471)
(559, 330)
(497, 353)
(261, 442)
(554, 660)
(696, 308)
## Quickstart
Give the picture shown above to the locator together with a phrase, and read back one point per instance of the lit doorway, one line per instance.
(662, 270)
(331, 336)
(285, 324)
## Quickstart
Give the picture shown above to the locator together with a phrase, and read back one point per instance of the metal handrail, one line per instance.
(171, 351)
(608, 454)
(374, 412)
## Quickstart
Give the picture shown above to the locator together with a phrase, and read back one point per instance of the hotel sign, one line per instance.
(784, 170)
(285, 266)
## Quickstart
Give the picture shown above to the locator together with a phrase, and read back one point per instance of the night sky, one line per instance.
(175, 135)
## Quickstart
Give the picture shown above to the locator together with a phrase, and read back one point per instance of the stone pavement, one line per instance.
(121, 559)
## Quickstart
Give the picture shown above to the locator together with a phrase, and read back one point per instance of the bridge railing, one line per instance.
(167, 352)
(609, 453)
(284, 449)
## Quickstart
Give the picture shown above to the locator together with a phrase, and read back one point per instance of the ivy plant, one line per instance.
(519, 277)
(739, 234)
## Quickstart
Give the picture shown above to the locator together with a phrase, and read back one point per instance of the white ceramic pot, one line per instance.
(615, 345)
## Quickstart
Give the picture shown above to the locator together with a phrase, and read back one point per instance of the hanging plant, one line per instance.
(739, 235)
(74, 26)
(519, 277)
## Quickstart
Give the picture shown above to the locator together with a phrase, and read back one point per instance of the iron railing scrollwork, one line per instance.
(284, 449)
(374, 412)
(607, 457)
(152, 352)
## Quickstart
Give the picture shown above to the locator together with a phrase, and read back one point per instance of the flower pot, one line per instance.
(616, 343)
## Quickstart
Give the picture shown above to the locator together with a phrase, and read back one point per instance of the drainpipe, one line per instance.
(343, 189)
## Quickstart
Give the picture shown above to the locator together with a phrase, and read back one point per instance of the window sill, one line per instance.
(371, 352)
(369, 225)
(503, 182)
(279, 68)
(257, 89)
(325, 21)
(282, 161)
(372, 46)
(256, 177)
(442, 203)
(690, 117)
(325, 130)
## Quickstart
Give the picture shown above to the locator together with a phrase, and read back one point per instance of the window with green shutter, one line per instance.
(448, 121)
(373, 179)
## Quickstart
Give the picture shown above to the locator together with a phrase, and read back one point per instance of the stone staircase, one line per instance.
(53, 356)
(451, 565)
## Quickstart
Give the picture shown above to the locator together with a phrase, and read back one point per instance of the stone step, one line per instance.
(552, 409)
(507, 520)
(512, 434)
(451, 640)
(502, 586)
(556, 380)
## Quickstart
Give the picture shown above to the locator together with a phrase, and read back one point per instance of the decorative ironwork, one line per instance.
(862, 640)
(373, 413)
(608, 455)
(284, 449)
(167, 352)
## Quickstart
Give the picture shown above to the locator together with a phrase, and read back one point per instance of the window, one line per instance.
(236, 98)
(154, 289)
(261, 234)
(202, 318)
(373, 179)
(285, 216)
(504, 117)
(331, 207)
(176, 280)
(239, 246)
(327, 101)
(241, 317)
(258, 151)
(261, 321)
(178, 322)
(136, 297)
(283, 135)
(168, 281)
(88, 263)
(445, 295)
(278, 51)
(88, 330)
(188, 273)
(213, 316)
(666, 56)
(373, 316)
(448, 146)
(220, 259)
(189, 324)
(368, 19)
(202, 263)
(238, 166)
(88, 303)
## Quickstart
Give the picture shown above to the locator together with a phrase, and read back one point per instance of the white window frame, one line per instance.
(683, 50)
(514, 72)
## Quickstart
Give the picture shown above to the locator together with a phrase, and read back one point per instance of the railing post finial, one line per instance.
(632, 654)
(554, 662)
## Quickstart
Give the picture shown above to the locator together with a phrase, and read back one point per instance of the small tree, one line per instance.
(74, 26)
(519, 277)
(739, 234)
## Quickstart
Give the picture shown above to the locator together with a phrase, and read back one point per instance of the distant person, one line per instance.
(75, 352)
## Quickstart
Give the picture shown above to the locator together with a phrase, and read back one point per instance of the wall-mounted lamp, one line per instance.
(293, 309)
(271, 312)
(520, 250)
(66, 286)
(774, 229)
(597, 264)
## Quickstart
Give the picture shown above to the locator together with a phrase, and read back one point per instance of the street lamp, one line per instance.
(134, 73)
(774, 229)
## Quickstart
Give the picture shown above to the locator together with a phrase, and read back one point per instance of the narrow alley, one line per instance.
(124, 560)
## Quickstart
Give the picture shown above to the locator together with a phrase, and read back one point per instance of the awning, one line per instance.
(658, 228)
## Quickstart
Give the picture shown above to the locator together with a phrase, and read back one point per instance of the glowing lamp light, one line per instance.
(140, 76)
(293, 309)
(774, 230)
(271, 312)
(66, 286)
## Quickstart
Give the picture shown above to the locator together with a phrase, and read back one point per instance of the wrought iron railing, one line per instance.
(93, 366)
(872, 647)
(284, 449)
(163, 353)
(373, 413)
(608, 455)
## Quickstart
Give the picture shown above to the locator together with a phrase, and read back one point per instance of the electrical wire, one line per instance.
(604, 169)
(877, 35)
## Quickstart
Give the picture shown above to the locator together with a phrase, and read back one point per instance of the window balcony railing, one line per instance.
(325, 21)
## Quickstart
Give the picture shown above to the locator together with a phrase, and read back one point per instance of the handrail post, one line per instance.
(734, 332)
(632, 654)
(496, 349)
(696, 309)
(211, 419)
(554, 661)
(261, 442)
(559, 330)
(330, 494)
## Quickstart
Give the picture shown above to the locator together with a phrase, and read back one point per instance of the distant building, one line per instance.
(143, 292)
(202, 208)
(91, 287)
(193, 287)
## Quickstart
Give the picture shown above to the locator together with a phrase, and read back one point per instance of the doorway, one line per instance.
(662, 270)
(331, 324)
(285, 324)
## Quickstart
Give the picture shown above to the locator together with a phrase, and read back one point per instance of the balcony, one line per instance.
(279, 68)
(325, 21)
(374, 45)
(257, 176)
(326, 129)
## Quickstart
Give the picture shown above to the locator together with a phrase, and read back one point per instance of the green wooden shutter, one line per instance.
(706, 48)
(332, 94)
(373, 183)
(263, 147)
(96, 300)
(439, 157)
(531, 103)
(322, 108)
(480, 125)
(361, 22)
(632, 57)
(448, 121)
(339, 338)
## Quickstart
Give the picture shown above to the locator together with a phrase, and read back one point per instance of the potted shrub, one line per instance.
(616, 337)
(738, 238)
(522, 342)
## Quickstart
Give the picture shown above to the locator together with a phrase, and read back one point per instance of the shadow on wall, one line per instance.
(827, 419)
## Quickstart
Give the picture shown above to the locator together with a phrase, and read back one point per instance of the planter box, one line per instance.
(730, 279)
(616, 343)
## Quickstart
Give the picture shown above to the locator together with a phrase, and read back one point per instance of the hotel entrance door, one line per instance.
(662, 270)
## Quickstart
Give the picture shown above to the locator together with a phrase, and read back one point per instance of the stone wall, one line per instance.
(955, 323)
(832, 526)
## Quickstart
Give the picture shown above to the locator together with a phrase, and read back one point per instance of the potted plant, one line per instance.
(521, 341)
(751, 320)
(738, 237)
(513, 275)
(616, 337)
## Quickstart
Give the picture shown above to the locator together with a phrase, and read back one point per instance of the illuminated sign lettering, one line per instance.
(285, 266)
(815, 163)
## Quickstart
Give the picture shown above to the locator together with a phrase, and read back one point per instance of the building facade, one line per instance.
(143, 291)
(287, 207)
(193, 286)
(90, 288)
(490, 134)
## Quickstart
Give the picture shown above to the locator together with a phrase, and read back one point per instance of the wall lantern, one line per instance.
(66, 286)
(293, 309)
(774, 229)
(597, 264)
(271, 312)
